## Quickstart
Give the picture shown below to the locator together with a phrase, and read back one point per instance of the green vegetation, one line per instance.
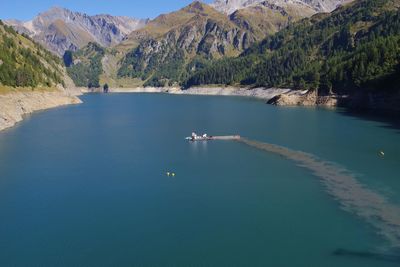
(24, 63)
(68, 58)
(356, 47)
(105, 88)
(88, 67)
(158, 72)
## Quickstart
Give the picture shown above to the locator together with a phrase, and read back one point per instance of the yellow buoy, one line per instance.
(173, 174)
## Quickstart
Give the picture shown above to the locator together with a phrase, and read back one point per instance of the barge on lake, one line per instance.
(194, 137)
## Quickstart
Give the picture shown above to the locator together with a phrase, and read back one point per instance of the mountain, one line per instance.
(353, 50)
(24, 63)
(266, 18)
(173, 40)
(60, 29)
(230, 6)
(173, 45)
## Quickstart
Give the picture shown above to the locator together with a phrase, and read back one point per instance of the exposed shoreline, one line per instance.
(259, 93)
(15, 105)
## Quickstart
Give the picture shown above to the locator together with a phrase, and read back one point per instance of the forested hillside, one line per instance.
(84, 66)
(23, 63)
(356, 46)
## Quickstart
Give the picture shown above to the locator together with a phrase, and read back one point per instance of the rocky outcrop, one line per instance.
(13, 106)
(305, 98)
(60, 29)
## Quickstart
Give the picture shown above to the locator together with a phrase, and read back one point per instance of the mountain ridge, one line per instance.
(230, 6)
(60, 29)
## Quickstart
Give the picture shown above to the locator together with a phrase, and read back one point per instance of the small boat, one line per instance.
(196, 137)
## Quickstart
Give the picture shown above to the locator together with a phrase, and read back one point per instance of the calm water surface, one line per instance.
(86, 186)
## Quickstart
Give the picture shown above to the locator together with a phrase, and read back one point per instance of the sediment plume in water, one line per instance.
(351, 194)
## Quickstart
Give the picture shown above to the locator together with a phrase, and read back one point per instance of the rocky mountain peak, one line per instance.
(200, 8)
(196, 6)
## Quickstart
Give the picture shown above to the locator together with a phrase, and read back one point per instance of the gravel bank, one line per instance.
(13, 106)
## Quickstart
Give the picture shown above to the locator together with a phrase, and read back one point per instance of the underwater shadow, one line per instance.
(389, 120)
(395, 258)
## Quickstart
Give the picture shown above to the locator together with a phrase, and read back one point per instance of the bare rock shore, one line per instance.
(305, 98)
(14, 105)
(260, 93)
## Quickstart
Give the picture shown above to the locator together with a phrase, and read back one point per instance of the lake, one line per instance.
(86, 185)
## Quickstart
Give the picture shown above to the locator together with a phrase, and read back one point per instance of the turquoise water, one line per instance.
(86, 186)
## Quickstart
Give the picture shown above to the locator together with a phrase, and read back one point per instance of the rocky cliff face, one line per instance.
(230, 6)
(60, 29)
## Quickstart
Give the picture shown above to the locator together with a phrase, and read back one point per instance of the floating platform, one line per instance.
(209, 138)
